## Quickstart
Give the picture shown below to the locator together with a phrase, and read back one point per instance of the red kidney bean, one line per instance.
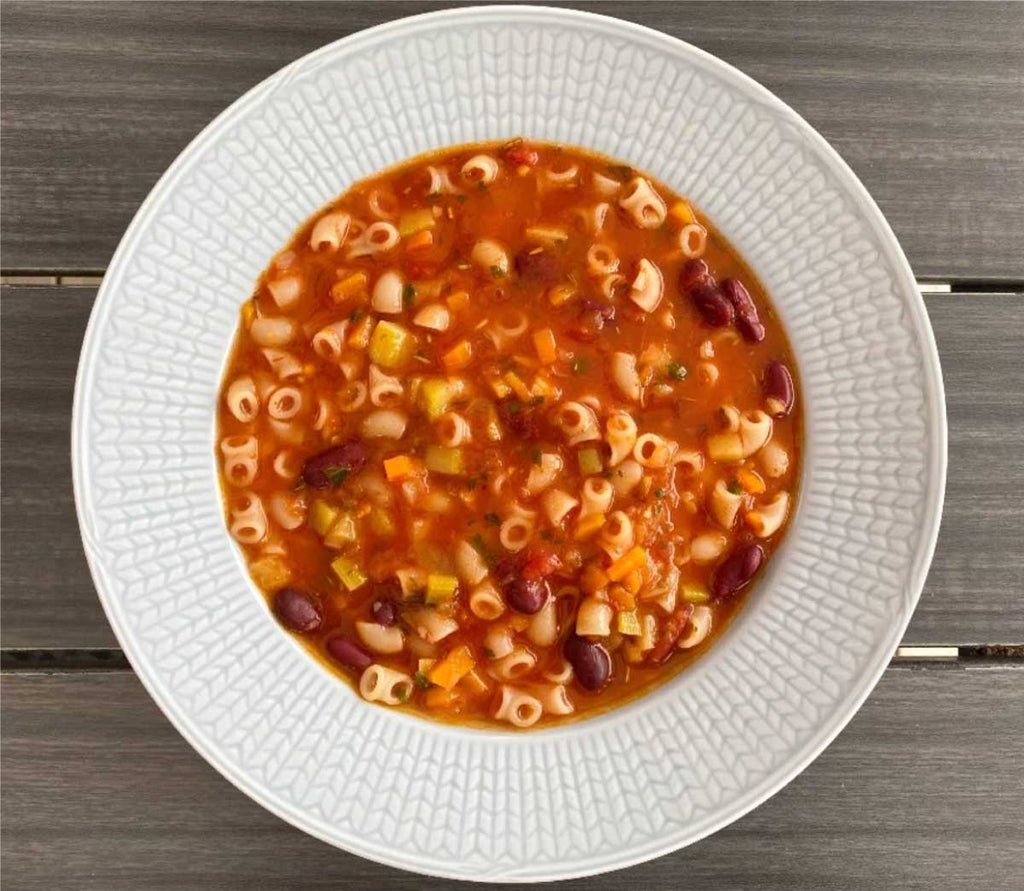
(518, 154)
(711, 303)
(694, 272)
(349, 653)
(331, 467)
(542, 266)
(590, 662)
(297, 610)
(385, 611)
(747, 321)
(735, 571)
(779, 394)
(526, 595)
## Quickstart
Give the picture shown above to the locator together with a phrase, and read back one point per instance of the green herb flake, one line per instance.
(481, 548)
(735, 488)
(408, 294)
(357, 314)
(481, 185)
(421, 680)
(472, 483)
(536, 456)
(488, 652)
(402, 695)
(537, 400)
(660, 493)
(492, 519)
(461, 198)
(497, 272)
(337, 475)
(579, 366)
(677, 371)
(513, 406)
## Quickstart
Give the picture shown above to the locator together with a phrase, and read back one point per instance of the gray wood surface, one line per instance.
(921, 791)
(925, 101)
(973, 593)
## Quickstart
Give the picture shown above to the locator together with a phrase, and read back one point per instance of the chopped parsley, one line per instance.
(660, 493)
(492, 519)
(513, 406)
(537, 400)
(677, 371)
(481, 548)
(488, 652)
(421, 680)
(497, 272)
(580, 365)
(408, 294)
(461, 198)
(402, 695)
(536, 456)
(357, 314)
(481, 185)
(337, 475)
(735, 488)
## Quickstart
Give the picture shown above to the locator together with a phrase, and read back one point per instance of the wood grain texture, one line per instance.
(925, 101)
(972, 596)
(922, 790)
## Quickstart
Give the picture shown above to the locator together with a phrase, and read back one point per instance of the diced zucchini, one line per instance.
(444, 459)
(628, 623)
(413, 221)
(342, 533)
(694, 594)
(381, 523)
(434, 395)
(590, 461)
(391, 345)
(441, 588)
(352, 577)
(322, 516)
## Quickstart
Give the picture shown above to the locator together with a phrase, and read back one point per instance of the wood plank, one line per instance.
(973, 594)
(99, 98)
(922, 790)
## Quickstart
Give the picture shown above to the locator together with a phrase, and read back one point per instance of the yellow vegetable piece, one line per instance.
(632, 559)
(452, 668)
(322, 516)
(444, 459)
(682, 213)
(441, 588)
(501, 389)
(270, 572)
(413, 221)
(588, 526)
(342, 533)
(518, 386)
(381, 523)
(434, 395)
(694, 594)
(628, 623)
(725, 447)
(352, 577)
(391, 345)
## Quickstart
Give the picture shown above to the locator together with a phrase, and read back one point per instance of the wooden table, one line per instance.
(924, 788)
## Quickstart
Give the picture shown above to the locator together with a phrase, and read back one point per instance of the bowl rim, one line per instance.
(903, 278)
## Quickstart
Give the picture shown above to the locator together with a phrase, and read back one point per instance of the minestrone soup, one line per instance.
(507, 433)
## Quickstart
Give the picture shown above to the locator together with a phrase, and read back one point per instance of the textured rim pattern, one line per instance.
(605, 792)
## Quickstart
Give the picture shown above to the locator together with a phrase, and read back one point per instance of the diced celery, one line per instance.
(628, 623)
(348, 571)
(441, 588)
(434, 395)
(381, 523)
(413, 221)
(694, 594)
(322, 516)
(443, 459)
(590, 461)
(342, 533)
(391, 345)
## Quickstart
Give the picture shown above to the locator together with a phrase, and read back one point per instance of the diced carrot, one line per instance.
(560, 294)
(422, 239)
(632, 559)
(360, 336)
(755, 521)
(459, 356)
(351, 286)
(633, 581)
(457, 301)
(452, 668)
(547, 349)
(682, 213)
(750, 481)
(501, 389)
(399, 467)
(588, 526)
(621, 599)
(518, 386)
(593, 579)
(439, 698)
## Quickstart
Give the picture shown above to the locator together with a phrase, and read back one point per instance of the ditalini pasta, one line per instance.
(507, 433)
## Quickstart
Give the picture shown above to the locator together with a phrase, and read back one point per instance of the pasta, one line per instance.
(486, 449)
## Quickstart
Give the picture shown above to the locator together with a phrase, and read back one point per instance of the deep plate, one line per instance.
(603, 793)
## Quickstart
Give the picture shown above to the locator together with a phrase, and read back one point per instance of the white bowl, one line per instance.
(599, 794)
